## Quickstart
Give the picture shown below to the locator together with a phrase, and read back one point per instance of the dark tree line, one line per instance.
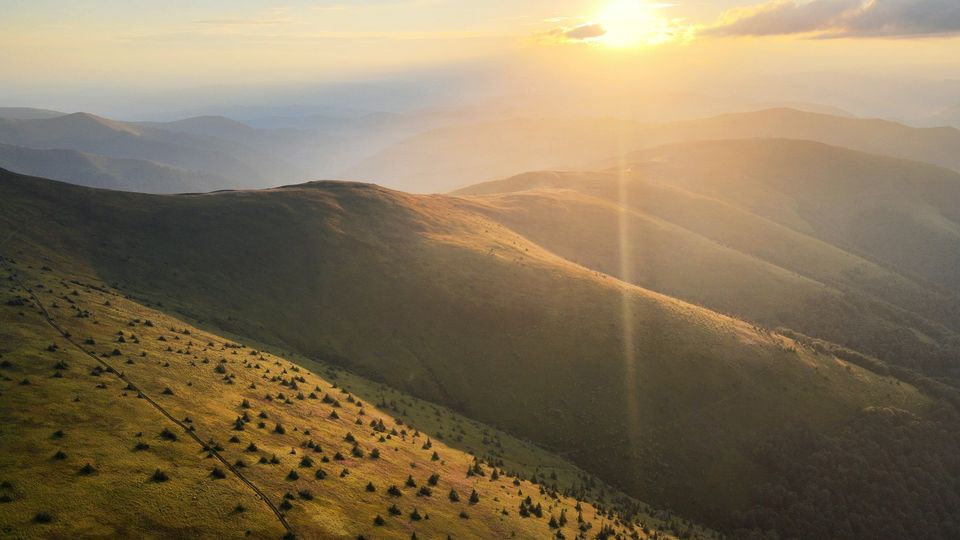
(887, 474)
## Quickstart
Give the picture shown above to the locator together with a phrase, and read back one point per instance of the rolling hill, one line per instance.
(665, 400)
(453, 157)
(900, 213)
(850, 247)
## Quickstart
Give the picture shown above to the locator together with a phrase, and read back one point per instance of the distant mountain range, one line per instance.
(206, 156)
(428, 152)
(455, 156)
(109, 173)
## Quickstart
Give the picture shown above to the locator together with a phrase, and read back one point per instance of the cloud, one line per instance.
(842, 18)
(579, 33)
(585, 31)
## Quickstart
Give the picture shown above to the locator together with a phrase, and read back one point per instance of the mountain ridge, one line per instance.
(385, 276)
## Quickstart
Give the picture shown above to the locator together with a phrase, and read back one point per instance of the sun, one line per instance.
(633, 23)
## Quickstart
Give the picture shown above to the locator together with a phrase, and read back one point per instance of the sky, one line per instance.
(180, 42)
(51, 49)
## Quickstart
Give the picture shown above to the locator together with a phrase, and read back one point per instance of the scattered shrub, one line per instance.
(42, 517)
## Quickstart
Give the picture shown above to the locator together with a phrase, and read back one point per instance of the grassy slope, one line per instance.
(716, 224)
(655, 395)
(901, 213)
(101, 421)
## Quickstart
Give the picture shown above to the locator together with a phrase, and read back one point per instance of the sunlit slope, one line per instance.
(689, 223)
(903, 214)
(658, 396)
(108, 392)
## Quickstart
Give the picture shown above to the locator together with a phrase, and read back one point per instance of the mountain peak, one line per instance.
(85, 120)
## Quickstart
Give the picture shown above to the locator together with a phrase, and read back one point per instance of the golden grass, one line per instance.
(102, 425)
